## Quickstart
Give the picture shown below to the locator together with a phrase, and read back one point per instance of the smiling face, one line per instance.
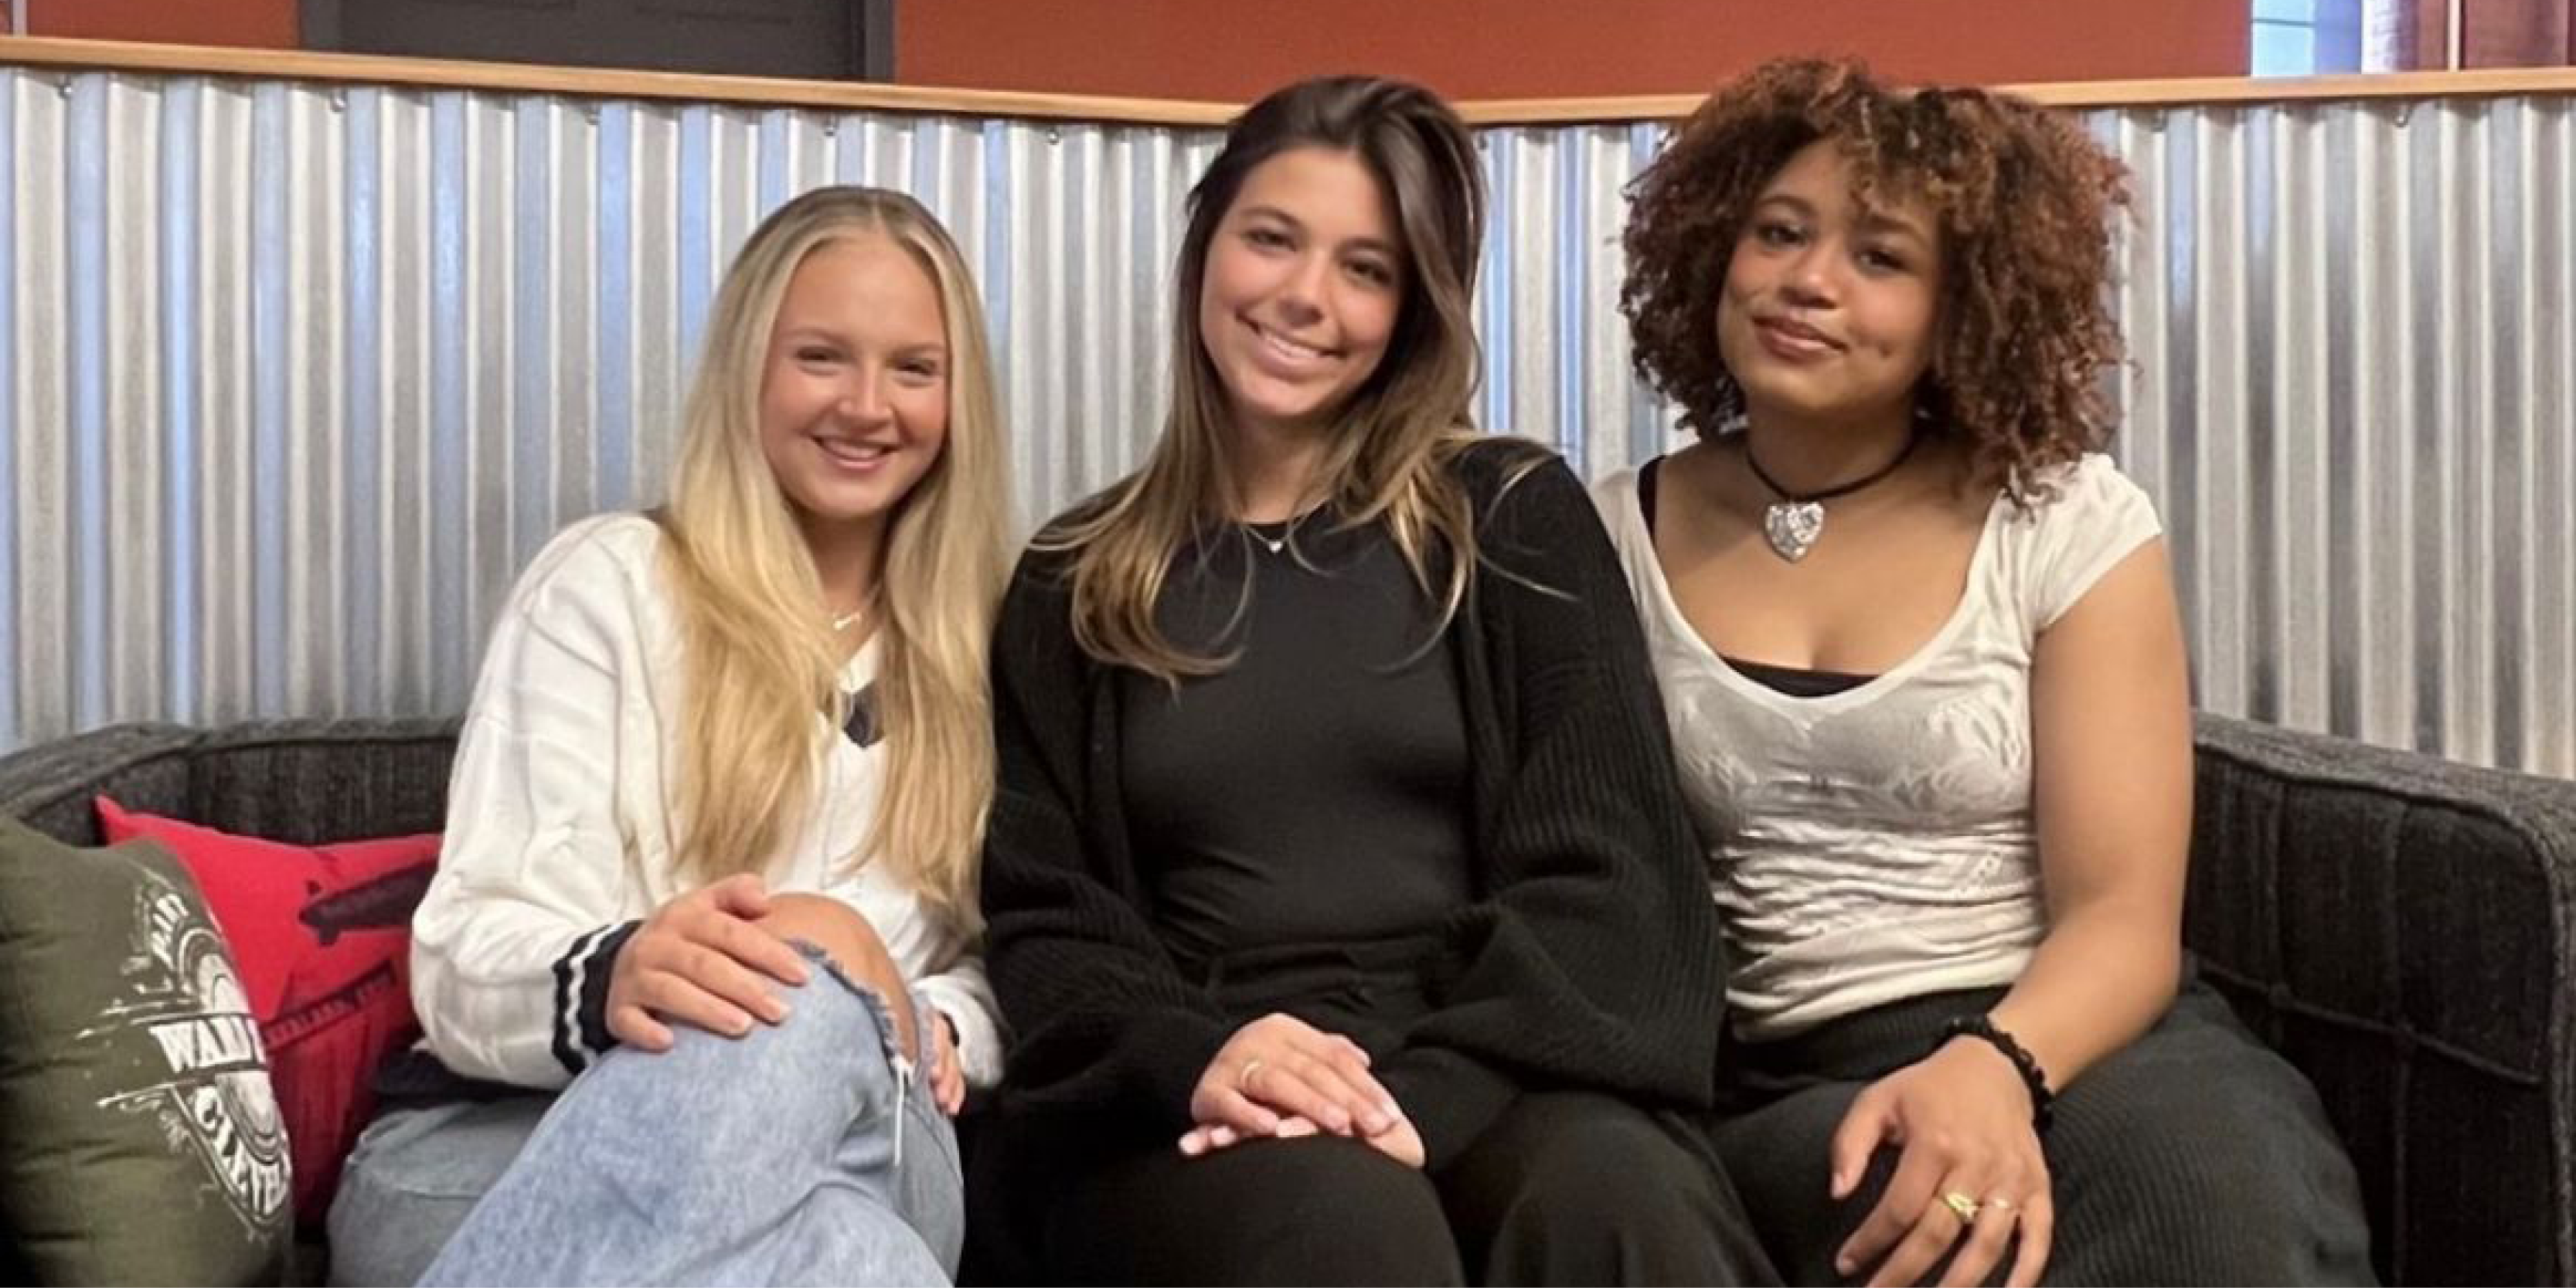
(854, 389)
(1303, 285)
(1830, 306)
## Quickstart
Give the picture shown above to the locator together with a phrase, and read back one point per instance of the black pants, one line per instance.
(1567, 1188)
(2192, 1156)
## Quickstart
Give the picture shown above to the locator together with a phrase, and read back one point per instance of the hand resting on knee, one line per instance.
(706, 958)
(853, 945)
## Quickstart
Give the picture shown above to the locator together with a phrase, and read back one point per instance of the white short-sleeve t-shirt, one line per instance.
(1878, 843)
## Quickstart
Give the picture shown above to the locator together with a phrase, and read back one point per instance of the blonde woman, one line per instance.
(709, 867)
(1340, 893)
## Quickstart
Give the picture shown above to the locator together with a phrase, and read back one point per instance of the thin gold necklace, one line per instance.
(1287, 529)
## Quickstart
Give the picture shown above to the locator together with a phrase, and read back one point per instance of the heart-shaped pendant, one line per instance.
(1792, 527)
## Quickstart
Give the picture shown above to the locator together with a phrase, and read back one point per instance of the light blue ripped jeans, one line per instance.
(807, 1152)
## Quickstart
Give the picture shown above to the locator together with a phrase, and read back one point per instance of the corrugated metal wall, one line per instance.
(293, 376)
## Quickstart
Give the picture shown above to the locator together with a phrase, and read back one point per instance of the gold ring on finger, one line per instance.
(1243, 1080)
(1960, 1205)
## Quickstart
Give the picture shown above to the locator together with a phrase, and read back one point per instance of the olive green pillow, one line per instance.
(144, 1143)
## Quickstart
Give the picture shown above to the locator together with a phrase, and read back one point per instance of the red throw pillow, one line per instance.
(322, 935)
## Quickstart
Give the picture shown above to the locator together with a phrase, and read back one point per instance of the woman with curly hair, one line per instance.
(1927, 689)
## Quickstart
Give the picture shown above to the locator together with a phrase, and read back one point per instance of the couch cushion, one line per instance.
(144, 1141)
(322, 935)
(311, 781)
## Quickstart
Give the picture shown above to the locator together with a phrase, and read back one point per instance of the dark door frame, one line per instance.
(871, 32)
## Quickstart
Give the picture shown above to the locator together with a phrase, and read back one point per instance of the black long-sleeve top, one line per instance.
(1315, 790)
(1590, 957)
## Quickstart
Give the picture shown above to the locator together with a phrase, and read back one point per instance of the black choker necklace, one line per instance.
(1793, 522)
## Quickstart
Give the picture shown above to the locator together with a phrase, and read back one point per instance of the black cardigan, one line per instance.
(1591, 960)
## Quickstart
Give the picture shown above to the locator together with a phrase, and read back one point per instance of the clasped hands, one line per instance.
(1279, 1077)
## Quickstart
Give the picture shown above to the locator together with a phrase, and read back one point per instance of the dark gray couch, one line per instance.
(2398, 926)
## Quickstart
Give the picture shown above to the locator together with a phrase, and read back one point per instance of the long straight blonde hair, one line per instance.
(1389, 461)
(761, 658)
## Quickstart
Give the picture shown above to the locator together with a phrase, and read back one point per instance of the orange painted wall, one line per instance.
(1234, 50)
(264, 24)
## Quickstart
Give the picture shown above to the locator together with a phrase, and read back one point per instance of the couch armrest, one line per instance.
(2399, 927)
(48, 786)
(304, 781)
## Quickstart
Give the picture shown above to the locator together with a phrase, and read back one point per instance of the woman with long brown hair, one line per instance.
(1340, 897)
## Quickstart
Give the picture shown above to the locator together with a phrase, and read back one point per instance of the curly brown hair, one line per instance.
(2023, 197)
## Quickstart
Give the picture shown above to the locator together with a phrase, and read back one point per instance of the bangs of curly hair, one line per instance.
(2023, 198)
